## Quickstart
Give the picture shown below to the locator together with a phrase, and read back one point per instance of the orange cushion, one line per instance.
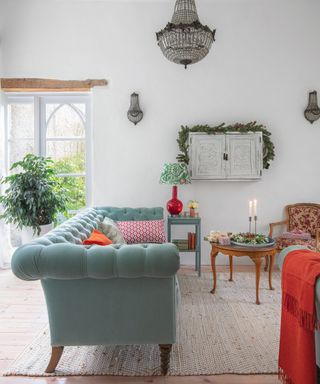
(97, 237)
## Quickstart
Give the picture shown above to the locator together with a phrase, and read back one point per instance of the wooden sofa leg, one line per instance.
(54, 360)
(318, 375)
(165, 350)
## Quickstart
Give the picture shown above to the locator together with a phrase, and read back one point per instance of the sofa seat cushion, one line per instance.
(146, 231)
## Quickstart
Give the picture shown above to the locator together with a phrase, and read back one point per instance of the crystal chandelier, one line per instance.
(185, 40)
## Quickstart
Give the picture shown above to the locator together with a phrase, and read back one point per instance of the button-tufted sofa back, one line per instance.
(131, 214)
(79, 227)
(74, 230)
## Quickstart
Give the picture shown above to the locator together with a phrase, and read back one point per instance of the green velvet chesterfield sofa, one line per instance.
(100, 295)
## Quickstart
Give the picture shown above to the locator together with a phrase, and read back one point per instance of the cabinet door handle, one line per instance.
(226, 157)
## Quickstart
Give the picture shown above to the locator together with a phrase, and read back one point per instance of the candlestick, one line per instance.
(250, 221)
(255, 224)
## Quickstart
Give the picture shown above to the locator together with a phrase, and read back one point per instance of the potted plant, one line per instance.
(193, 205)
(33, 196)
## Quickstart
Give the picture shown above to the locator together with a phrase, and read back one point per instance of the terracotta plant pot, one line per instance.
(192, 212)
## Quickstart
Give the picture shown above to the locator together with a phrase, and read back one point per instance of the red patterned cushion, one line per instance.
(282, 242)
(148, 231)
(296, 234)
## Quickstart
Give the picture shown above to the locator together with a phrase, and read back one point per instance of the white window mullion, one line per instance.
(42, 127)
(89, 151)
(37, 126)
(6, 138)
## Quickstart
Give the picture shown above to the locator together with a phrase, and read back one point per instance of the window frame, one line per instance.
(39, 101)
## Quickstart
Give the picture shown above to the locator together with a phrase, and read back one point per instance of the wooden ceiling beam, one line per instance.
(49, 85)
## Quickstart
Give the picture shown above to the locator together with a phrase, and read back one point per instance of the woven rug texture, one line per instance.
(216, 334)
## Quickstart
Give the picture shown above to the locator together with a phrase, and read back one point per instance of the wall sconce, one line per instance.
(135, 114)
(312, 112)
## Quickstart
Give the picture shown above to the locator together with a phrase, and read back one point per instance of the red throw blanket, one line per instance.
(297, 360)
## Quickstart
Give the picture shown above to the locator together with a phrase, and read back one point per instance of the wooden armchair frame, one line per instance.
(286, 221)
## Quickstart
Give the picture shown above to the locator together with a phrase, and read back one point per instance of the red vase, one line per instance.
(174, 206)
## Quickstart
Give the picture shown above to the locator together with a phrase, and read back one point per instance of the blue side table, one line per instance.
(187, 220)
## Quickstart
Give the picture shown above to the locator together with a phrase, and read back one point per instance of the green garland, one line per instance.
(268, 147)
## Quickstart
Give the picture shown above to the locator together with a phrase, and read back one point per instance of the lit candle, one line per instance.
(255, 207)
(250, 208)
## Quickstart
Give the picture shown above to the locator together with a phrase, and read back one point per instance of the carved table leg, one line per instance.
(54, 360)
(267, 259)
(214, 272)
(257, 261)
(165, 350)
(271, 257)
(231, 267)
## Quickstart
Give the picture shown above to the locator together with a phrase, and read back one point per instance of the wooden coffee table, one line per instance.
(255, 254)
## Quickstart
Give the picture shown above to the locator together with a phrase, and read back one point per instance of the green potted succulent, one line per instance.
(33, 196)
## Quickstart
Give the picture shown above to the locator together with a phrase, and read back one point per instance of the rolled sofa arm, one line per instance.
(65, 261)
(285, 251)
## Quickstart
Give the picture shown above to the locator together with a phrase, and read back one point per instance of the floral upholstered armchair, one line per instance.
(302, 225)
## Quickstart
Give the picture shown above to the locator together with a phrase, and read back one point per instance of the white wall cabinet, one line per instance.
(230, 156)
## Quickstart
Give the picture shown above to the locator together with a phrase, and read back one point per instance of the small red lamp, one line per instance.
(175, 174)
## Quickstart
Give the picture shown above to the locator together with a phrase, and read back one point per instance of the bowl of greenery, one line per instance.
(247, 239)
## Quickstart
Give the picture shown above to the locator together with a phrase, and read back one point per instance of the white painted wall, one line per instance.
(265, 61)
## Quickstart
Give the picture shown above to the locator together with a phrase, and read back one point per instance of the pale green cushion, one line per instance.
(109, 228)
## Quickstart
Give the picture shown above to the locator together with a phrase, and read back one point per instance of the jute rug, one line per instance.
(222, 333)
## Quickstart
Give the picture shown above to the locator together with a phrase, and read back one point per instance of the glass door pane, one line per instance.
(69, 155)
(65, 120)
(76, 187)
(20, 141)
(20, 130)
(65, 143)
(21, 120)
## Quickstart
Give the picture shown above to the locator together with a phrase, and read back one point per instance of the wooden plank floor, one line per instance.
(23, 315)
